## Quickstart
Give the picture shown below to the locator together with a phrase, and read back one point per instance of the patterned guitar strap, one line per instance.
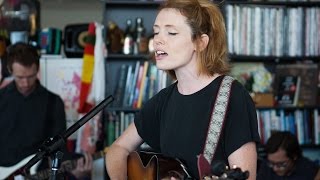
(215, 127)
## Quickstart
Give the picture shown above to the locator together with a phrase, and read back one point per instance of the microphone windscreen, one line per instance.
(218, 168)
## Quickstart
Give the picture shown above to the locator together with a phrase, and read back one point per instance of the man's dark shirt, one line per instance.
(25, 122)
(4, 70)
(304, 169)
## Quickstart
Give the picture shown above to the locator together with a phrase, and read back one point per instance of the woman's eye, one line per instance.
(155, 33)
(173, 33)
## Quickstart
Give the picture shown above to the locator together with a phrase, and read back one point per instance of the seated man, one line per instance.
(285, 160)
(30, 113)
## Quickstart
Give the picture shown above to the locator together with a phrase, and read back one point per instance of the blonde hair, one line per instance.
(205, 17)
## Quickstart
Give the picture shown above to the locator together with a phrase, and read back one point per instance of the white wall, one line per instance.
(59, 13)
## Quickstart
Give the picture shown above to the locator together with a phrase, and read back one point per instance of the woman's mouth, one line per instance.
(160, 54)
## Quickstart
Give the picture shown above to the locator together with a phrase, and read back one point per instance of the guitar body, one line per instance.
(137, 169)
(153, 166)
(10, 172)
(16, 171)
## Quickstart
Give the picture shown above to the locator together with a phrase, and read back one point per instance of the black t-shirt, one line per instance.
(176, 125)
(304, 169)
(25, 122)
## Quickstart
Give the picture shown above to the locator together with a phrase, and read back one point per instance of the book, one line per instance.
(308, 73)
(316, 127)
(142, 84)
(133, 85)
(110, 128)
(128, 87)
(288, 91)
(138, 85)
(120, 87)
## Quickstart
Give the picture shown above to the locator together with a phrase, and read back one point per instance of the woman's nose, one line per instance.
(157, 40)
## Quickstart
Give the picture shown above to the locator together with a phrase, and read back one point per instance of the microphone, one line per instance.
(51, 145)
(218, 168)
(221, 170)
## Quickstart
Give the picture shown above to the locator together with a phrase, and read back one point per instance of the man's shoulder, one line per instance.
(304, 161)
(49, 92)
(264, 171)
(6, 89)
(53, 96)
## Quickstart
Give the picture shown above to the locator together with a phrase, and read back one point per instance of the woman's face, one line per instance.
(174, 48)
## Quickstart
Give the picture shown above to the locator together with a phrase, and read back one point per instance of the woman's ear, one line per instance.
(203, 42)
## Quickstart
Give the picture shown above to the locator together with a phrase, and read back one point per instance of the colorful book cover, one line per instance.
(287, 93)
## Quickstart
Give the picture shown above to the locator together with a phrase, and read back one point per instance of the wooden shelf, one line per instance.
(303, 146)
(126, 57)
(272, 59)
(289, 107)
(276, 3)
(310, 146)
(122, 109)
(116, 3)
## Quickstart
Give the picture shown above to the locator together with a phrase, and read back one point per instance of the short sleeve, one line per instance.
(241, 124)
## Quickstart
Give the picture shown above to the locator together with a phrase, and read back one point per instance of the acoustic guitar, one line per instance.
(155, 166)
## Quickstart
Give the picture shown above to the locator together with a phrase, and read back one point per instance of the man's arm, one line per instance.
(246, 158)
(117, 154)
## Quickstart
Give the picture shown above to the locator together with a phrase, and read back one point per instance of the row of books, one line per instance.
(138, 83)
(273, 31)
(304, 123)
(117, 122)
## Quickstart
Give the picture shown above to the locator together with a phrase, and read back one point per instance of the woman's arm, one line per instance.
(246, 158)
(117, 154)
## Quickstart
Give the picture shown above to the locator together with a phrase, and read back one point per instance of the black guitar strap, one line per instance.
(215, 126)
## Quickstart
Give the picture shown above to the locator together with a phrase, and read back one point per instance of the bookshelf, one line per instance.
(118, 116)
(280, 29)
(285, 36)
(280, 49)
(273, 59)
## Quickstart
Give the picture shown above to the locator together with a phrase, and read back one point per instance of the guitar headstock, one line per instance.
(222, 172)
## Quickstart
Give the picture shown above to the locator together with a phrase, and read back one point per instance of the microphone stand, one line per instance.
(51, 146)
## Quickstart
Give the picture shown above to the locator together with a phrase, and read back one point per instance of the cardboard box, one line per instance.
(263, 99)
